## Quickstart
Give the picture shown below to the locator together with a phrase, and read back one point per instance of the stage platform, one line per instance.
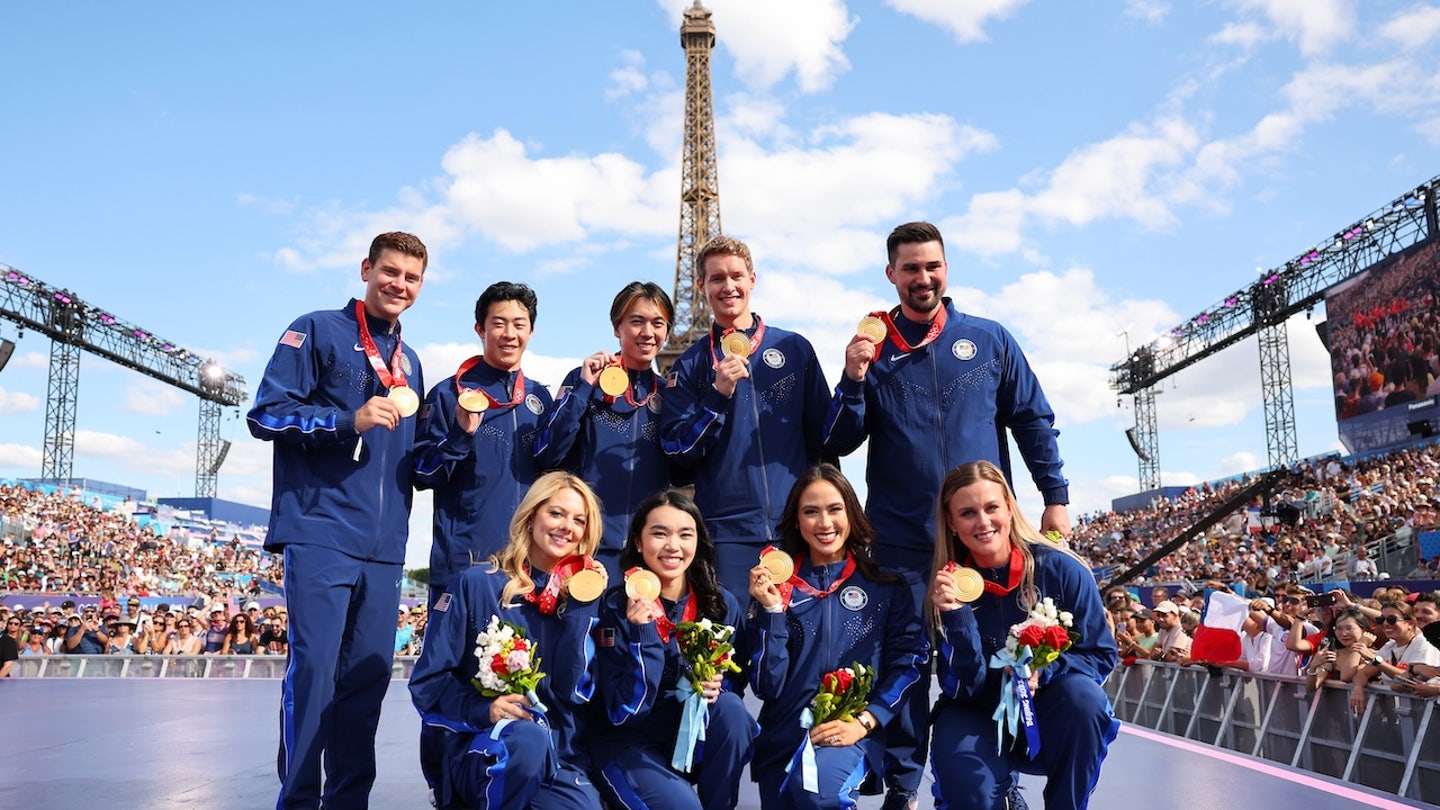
(155, 744)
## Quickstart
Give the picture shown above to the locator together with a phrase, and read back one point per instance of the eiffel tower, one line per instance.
(699, 186)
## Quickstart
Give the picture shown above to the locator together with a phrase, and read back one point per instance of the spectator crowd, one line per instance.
(1320, 523)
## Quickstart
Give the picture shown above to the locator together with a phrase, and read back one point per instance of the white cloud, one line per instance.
(269, 205)
(20, 459)
(149, 398)
(1314, 25)
(144, 460)
(1414, 28)
(770, 40)
(1136, 175)
(1150, 11)
(815, 204)
(1243, 35)
(964, 20)
(34, 360)
(1117, 177)
(629, 78)
(18, 402)
(522, 202)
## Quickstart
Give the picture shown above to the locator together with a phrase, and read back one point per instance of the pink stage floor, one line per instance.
(211, 744)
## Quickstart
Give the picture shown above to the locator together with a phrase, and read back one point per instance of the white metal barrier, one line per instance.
(169, 666)
(1393, 746)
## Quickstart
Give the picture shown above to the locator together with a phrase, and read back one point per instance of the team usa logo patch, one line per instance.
(963, 349)
(654, 404)
(405, 363)
(533, 403)
(773, 358)
(853, 597)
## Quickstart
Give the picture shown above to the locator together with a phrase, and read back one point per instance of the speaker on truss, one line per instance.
(1135, 444)
(1423, 429)
(1323, 330)
(220, 456)
(7, 348)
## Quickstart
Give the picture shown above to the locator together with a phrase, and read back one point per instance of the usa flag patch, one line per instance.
(293, 338)
(605, 637)
(442, 604)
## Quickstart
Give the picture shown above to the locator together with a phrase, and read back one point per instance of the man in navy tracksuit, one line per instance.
(746, 426)
(941, 389)
(480, 463)
(338, 400)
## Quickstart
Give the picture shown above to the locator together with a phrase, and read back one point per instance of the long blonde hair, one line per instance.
(1023, 535)
(514, 559)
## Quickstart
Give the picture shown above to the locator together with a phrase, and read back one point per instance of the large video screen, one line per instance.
(1384, 334)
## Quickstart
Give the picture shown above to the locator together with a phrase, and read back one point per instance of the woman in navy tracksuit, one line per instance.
(982, 528)
(838, 609)
(613, 442)
(639, 666)
(503, 752)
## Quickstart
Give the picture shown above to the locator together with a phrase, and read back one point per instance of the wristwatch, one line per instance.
(1375, 661)
(866, 721)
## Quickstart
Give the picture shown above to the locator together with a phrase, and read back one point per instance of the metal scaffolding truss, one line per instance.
(1264, 306)
(72, 325)
(1145, 437)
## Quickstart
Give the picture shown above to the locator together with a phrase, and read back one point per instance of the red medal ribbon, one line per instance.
(664, 626)
(515, 399)
(795, 583)
(937, 325)
(548, 599)
(754, 339)
(629, 387)
(1017, 572)
(392, 377)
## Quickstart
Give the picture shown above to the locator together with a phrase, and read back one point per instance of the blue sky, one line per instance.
(209, 172)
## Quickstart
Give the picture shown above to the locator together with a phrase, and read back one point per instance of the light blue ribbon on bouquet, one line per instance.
(692, 725)
(805, 756)
(536, 707)
(1016, 707)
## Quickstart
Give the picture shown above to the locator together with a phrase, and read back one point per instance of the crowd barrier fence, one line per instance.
(1394, 745)
(169, 666)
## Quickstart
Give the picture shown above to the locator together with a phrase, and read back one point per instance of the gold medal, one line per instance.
(405, 399)
(614, 381)
(736, 344)
(643, 584)
(871, 328)
(780, 565)
(473, 401)
(968, 584)
(586, 585)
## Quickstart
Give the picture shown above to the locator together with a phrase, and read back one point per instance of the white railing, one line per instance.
(169, 666)
(1394, 745)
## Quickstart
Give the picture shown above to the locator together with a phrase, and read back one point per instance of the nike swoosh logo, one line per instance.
(895, 357)
(359, 348)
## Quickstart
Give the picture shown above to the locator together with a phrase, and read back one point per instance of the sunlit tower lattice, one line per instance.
(699, 184)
